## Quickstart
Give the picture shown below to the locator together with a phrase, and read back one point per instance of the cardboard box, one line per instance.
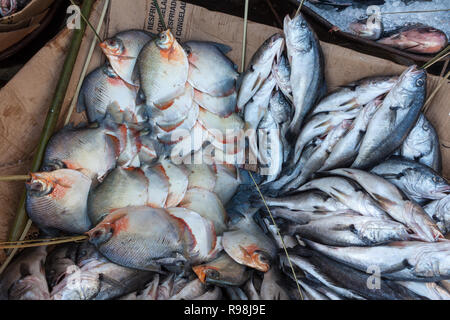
(24, 101)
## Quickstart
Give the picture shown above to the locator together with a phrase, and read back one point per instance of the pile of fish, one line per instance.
(9, 7)
(158, 180)
(419, 27)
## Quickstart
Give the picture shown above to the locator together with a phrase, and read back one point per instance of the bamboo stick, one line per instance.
(14, 178)
(21, 220)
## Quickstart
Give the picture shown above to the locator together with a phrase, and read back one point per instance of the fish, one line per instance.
(127, 187)
(150, 292)
(221, 106)
(395, 203)
(92, 150)
(272, 287)
(369, 29)
(104, 92)
(311, 293)
(422, 145)
(351, 230)
(204, 56)
(439, 211)
(419, 182)
(281, 70)
(270, 151)
(346, 149)
(162, 68)
(227, 182)
(304, 217)
(57, 201)
(24, 278)
(404, 260)
(319, 155)
(122, 51)
(355, 94)
(416, 38)
(306, 201)
(222, 271)
(394, 119)
(142, 238)
(201, 175)
(319, 125)
(177, 176)
(347, 193)
(250, 290)
(213, 294)
(247, 244)
(428, 290)
(96, 278)
(191, 290)
(347, 281)
(208, 205)
(307, 68)
(59, 262)
(259, 68)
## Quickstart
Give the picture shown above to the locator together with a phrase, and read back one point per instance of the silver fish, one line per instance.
(429, 290)
(304, 217)
(422, 144)
(351, 230)
(392, 201)
(404, 260)
(272, 287)
(259, 68)
(270, 151)
(307, 71)
(355, 94)
(394, 119)
(282, 73)
(416, 180)
(346, 149)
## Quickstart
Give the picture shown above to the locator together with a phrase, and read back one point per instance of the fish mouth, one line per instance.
(39, 185)
(444, 190)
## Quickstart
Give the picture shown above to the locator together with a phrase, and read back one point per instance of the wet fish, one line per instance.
(91, 149)
(394, 119)
(205, 56)
(193, 289)
(347, 193)
(96, 278)
(422, 144)
(404, 260)
(102, 92)
(57, 201)
(59, 262)
(417, 38)
(392, 201)
(306, 60)
(162, 66)
(221, 106)
(351, 230)
(247, 244)
(123, 49)
(416, 180)
(307, 201)
(281, 70)
(319, 125)
(429, 290)
(369, 29)
(270, 152)
(355, 94)
(272, 287)
(281, 111)
(213, 294)
(319, 155)
(439, 211)
(346, 149)
(24, 278)
(222, 271)
(259, 68)
(304, 217)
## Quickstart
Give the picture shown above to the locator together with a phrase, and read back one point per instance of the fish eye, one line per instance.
(420, 82)
(213, 274)
(303, 24)
(112, 43)
(437, 179)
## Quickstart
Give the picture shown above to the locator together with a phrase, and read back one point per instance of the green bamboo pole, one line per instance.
(21, 219)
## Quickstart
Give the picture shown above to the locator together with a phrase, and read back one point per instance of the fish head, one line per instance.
(256, 258)
(110, 226)
(298, 33)
(112, 47)
(272, 47)
(53, 164)
(434, 262)
(165, 40)
(413, 80)
(40, 184)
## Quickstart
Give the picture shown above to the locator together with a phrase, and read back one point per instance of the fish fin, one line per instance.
(391, 175)
(111, 281)
(394, 108)
(222, 47)
(81, 106)
(382, 199)
(258, 82)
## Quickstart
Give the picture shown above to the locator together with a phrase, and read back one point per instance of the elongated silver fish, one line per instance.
(394, 119)
(351, 230)
(347, 193)
(416, 180)
(392, 201)
(439, 211)
(259, 68)
(429, 290)
(422, 144)
(307, 74)
(355, 94)
(346, 149)
(282, 73)
(403, 260)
